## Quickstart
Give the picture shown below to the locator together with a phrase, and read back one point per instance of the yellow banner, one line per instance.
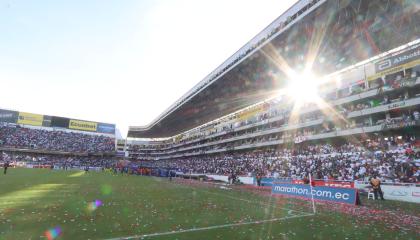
(394, 69)
(83, 125)
(251, 112)
(30, 119)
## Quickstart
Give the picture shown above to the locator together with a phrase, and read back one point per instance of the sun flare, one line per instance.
(303, 88)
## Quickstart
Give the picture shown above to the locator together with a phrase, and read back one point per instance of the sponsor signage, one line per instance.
(47, 121)
(406, 192)
(265, 181)
(332, 194)
(120, 154)
(401, 124)
(106, 128)
(251, 112)
(8, 116)
(396, 63)
(60, 122)
(398, 60)
(298, 182)
(25, 118)
(408, 83)
(30, 119)
(398, 193)
(396, 105)
(402, 193)
(83, 125)
(300, 139)
(339, 184)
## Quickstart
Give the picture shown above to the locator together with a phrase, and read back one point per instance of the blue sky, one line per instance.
(118, 61)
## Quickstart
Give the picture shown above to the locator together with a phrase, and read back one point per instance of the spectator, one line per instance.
(376, 186)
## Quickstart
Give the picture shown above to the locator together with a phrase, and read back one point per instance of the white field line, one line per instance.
(240, 199)
(208, 228)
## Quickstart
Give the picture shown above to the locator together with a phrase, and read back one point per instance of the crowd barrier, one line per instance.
(395, 191)
(323, 193)
(200, 177)
(223, 178)
(265, 181)
(60, 168)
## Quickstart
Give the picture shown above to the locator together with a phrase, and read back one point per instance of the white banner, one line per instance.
(406, 192)
(244, 180)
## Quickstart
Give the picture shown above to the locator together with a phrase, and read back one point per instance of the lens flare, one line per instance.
(92, 206)
(53, 233)
(304, 87)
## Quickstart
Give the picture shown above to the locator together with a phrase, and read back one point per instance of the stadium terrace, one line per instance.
(361, 104)
(310, 131)
(332, 35)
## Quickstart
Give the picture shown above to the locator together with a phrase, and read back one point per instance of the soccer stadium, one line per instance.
(311, 130)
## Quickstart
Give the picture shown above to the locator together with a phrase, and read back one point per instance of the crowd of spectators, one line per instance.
(279, 112)
(14, 136)
(61, 161)
(406, 119)
(393, 159)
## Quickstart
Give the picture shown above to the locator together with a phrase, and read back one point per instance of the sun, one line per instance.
(303, 88)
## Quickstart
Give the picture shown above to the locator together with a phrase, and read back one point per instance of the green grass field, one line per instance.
(35, 200)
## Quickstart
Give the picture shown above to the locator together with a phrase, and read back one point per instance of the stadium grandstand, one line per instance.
(43, 141)
(300, 134)
(248, 115)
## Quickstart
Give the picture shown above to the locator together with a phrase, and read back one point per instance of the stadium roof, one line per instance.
(332, 34)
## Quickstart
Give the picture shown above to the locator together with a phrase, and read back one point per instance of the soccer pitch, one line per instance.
(99, 205)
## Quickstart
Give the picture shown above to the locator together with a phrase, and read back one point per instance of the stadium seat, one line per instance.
(371, 195)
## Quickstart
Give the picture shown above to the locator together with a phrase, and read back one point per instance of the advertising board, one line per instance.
(8, 116)
(332, 194)
(83, 125)
(30, 119)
